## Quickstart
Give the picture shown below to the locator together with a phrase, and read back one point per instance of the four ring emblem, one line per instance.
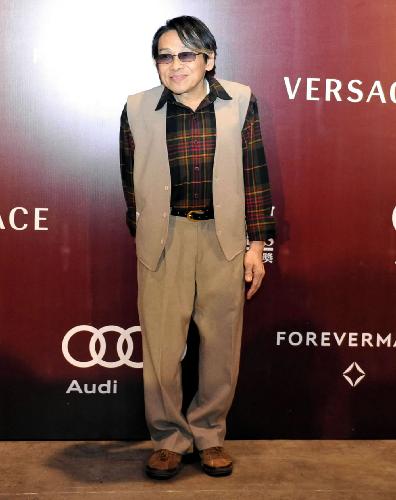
(98, 337)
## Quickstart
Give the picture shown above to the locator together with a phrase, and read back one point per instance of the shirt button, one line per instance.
(162, 242)
(195, 141)
(166, 188)
(195, 195)
(196, 168)
(164, 215)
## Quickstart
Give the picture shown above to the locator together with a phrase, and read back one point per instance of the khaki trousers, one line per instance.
(193, 279)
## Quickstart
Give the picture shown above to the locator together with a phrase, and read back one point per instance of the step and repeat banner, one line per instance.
(318, 356)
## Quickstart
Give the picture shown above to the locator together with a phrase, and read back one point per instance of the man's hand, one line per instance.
(254, 267)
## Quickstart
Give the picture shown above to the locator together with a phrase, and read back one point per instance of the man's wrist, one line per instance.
(257, 245)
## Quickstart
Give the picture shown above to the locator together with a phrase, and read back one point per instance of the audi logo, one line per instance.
(98, 339)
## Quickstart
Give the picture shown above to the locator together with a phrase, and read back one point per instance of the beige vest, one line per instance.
(151, 172)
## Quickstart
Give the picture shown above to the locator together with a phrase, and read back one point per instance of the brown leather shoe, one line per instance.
(215, 461)
(163, 464)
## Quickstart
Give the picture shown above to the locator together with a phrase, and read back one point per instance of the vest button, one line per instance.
(164, 214)
(162, 242)
(166, 188)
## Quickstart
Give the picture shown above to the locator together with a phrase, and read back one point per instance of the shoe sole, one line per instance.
(161, 474)
(216, 471)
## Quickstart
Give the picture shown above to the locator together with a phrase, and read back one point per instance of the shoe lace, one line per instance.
(216, 450)
(164, 454)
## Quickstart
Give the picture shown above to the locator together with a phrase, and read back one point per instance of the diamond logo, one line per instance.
(354, 374)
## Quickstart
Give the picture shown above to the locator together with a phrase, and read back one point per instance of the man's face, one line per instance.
(181, 78)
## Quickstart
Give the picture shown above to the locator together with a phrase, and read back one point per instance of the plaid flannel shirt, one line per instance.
(191, 142)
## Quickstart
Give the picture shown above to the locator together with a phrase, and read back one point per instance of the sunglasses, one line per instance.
(184, 57)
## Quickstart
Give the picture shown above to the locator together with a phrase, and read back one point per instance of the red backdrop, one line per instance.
(325, 84)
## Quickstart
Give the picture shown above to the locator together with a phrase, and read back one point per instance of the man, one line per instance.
(195, 180)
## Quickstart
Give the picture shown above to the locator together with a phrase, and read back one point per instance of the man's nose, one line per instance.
(176, 63)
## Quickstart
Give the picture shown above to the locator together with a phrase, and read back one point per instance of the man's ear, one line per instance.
(210, 62)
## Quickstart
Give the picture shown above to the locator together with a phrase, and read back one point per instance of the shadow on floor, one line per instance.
(110, 462)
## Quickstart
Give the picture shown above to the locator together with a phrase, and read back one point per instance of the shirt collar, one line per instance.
(215, 90)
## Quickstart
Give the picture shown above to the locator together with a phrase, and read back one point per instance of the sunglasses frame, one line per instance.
(178, 56)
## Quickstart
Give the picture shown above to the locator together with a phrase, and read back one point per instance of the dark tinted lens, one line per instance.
(164, 58)
(187, 56)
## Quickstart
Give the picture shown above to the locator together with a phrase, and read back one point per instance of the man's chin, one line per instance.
(177, 89)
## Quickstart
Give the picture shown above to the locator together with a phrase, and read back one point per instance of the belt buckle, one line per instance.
(190, 216)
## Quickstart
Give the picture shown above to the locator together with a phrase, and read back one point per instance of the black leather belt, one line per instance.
(195, 214)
